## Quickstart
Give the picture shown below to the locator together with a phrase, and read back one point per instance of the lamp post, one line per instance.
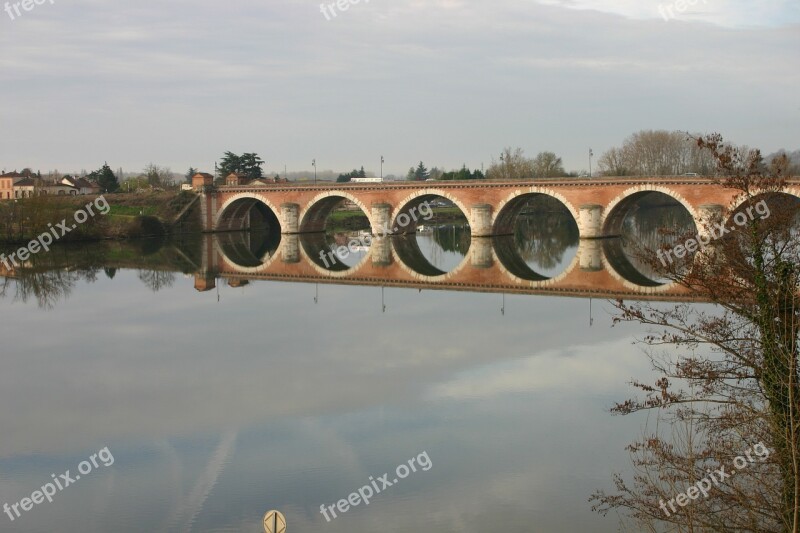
(382, 160)
(314, 164)
(591, 153)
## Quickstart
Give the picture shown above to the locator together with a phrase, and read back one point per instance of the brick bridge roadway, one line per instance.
(598, 206)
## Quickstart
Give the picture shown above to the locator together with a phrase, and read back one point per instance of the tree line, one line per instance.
(672, 153)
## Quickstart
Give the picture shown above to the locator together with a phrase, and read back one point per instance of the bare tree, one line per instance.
(612, 163)
(728, 373)
(157, 176)
(547, 165)
(657, 153)
(513, 165)
(155, 280)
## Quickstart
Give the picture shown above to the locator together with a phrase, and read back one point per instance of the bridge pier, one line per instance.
(381, 251)
(290, 249)
(709, 214)
(590, 221)
(480, 252)
(480, 220)
(206, 279)
(290, 218)
(208, 209)
(381, 217)
(590, 255)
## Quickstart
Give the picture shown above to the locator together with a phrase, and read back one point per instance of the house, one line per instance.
(58, 189)
(83, 185)
(202, 179)
(235, 179)
(268, 181)
(26, 187)
(7, 181)
(7, 270)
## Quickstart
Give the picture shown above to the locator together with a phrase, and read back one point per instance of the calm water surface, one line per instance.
(220, 405)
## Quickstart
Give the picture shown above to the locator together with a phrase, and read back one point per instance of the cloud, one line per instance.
(728, 13)
(583, 366)
(448, 82)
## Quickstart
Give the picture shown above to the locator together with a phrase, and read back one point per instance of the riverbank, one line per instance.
(126, 216)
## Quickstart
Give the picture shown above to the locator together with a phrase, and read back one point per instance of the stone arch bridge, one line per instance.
(598, 205)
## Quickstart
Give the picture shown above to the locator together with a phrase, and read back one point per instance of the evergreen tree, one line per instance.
(105, 177)
(247, 164)
(421, 173)
(230, 163)
(190, 173)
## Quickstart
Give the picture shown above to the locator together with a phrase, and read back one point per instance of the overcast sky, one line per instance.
(445, 81)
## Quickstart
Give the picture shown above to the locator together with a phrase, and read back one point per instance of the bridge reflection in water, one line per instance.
(575, 267)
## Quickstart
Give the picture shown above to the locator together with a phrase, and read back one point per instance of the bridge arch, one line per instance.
(739, 201)
(415, 199)
(231, 215)
(616, 210)
(316, 212)
(626, 258)
(510, 207)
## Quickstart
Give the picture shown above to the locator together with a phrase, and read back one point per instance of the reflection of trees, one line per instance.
(453, 238)
(47, 288)
(88, 273)
(155, 280)
(50, 276)
(649, 228)
(543, 237)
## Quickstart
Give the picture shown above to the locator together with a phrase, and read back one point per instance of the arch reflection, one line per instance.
(337, 252)
(434, 251)
(250, 249)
